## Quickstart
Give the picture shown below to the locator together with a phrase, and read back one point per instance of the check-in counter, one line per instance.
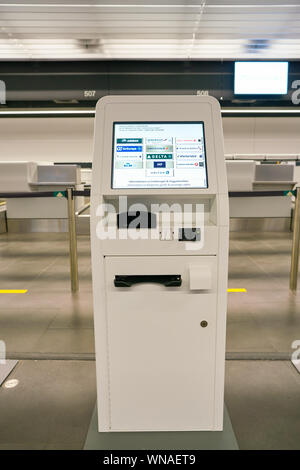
(38, 177)
(247, 175)
(240, 175)
(17, 176)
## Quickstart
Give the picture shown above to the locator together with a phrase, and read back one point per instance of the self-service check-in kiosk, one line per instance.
(159, 227)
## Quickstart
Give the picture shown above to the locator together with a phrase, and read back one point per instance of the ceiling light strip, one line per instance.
(136, 5)
(91, 112)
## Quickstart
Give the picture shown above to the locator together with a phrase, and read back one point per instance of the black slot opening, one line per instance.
(138, 219)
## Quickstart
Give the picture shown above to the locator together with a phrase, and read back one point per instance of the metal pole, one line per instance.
(6, 221)
(72, 241)
(296, 244)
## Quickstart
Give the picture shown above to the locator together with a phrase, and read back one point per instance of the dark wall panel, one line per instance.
(48, 83)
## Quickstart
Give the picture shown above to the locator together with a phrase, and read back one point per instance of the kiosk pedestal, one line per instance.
(201, 440)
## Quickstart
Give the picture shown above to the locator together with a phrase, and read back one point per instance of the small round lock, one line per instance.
(204, 324)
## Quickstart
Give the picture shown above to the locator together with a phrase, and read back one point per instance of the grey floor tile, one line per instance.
(66, 341)
(26, 317)
(51, 407)
(73, 319)
(263, 402)
(256, 295)
(21, 340)
(247, 336)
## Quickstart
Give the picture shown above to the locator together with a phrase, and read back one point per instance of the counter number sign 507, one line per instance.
(89, 93)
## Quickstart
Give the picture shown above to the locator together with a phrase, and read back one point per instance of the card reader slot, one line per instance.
(168, 280)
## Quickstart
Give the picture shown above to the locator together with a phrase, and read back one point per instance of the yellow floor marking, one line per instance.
(237, 290)
(13, 291)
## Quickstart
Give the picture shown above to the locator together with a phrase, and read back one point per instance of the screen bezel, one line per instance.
(158, 122)
(259, 62)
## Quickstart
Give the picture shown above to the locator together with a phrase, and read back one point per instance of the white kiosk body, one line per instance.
(159, 302)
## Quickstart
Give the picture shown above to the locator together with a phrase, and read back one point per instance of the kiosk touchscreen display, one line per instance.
(159, 155)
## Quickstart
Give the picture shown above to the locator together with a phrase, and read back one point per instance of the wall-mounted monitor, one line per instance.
(159, 155)
(261, 78)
